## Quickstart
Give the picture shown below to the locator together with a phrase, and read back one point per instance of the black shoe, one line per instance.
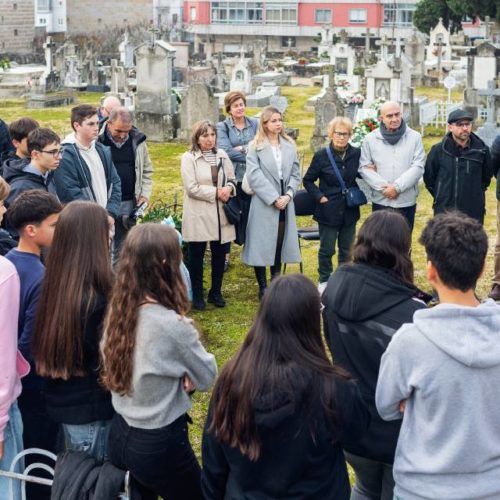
(216, 299)
(198, 303)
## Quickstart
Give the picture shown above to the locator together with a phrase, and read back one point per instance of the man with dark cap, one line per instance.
(458, 169)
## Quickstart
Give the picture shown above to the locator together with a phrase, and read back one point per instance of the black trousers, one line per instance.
(161, 461)
(407, 212)
(196, 253)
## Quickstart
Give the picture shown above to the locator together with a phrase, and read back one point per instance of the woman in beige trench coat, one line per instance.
(208, 180)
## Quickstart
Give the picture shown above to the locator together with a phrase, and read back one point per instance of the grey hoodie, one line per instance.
(447, 366)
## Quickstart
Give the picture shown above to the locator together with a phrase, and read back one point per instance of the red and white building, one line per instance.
(291, 24)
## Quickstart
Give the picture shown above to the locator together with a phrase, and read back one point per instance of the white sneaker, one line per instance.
(322, 287)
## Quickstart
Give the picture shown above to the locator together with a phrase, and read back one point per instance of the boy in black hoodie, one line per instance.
(44, 149)
(19, 131)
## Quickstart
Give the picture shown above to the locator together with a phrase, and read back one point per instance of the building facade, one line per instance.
(17, 30)
(292, 24)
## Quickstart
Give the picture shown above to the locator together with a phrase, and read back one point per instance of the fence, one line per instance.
(436, 113)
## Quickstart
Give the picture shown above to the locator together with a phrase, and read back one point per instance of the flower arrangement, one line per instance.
(362, 129)
(355, 99)
(342, 84)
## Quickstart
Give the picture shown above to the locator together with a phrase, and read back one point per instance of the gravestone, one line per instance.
(72, 73)
(263, 95)
(241, 77)
(382, 82)
(343, 57)
(439, 43)
(326, 108)
(49, 80)
(414, 49)
(489, 130)
(483, 65)
(118, 79)
(155, 105)
(198, 103)
(126, 50)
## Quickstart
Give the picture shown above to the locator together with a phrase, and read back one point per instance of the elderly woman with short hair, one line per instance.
(208, 179)
(336, 221)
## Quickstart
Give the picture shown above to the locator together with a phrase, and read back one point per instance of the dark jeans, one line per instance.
(196, 251)
(161, 461)
(260, 271)
(39, 431)
(407, 212)
(329, 237)
(374, 480)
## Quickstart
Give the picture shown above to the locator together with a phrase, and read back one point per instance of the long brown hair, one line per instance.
(283, 347)
(78, 270)
(148, 271)
(384, 240)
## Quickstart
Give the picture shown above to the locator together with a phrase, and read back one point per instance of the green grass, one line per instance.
(224, 329)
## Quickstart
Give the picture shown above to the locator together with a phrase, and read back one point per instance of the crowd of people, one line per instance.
(99, 356)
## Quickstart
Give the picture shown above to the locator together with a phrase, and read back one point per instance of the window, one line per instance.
(61, 21)
(43, 5)
(322, 16)
(192, 14)
(14, 6)
(242, 12)
(398, 14)
(288, 41)
(281, 13)
(357, 16)
(15, 32)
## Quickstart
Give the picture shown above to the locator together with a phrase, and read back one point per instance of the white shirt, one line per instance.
(98, 177)
(278, 159)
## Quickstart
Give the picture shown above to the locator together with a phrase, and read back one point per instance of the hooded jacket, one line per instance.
(446, 365)
(364, 307)
(21, 181)
(73, 180)
(459, 182)
(292, 464)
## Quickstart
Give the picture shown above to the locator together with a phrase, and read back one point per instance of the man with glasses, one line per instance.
(44, 148)
(392, 163)
(458, 169)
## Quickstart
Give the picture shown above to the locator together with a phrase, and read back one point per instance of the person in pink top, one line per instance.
(14, 367)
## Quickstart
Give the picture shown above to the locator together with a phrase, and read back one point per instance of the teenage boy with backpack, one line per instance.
(439, 375)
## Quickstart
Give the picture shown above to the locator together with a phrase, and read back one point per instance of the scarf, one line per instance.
(393, 137)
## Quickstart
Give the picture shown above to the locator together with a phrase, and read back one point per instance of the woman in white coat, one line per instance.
(273, 174)
(208, 179)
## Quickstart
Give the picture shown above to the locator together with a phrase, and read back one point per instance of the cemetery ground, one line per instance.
(224, 329)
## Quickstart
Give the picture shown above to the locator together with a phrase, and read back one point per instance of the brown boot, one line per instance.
(495, 293)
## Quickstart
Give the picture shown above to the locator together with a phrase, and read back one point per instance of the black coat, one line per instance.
(292, 463)
(457, 180)
(81, 400)
(364, 307)
(335, 212)
(495, 162)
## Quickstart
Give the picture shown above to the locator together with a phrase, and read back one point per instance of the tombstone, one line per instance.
(49, 80)
(327, 107)
(343, 57)
(325, 43)
(198, 103)
(405, 67)
(414, 49)
(126, 49)
(155, 105)
(489, 130)
(72, 73)
(382, 82)
(263, 95)
(483, 65)
(439, 43)
(241, 77)
(118, 80)
(280, 103)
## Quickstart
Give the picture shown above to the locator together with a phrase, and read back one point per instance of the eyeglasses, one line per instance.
(463, 124)
(342, 135)
(54, 152)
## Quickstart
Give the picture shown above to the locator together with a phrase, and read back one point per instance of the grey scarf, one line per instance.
(393, 137)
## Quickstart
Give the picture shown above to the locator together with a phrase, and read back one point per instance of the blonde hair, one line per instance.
(4, 189)
(261, 135)
(339, 120)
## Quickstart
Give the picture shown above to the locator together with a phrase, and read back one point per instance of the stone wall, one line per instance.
(87, 16)
(17, 26)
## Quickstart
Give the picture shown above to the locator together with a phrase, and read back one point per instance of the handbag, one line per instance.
(232, 207)
(354, 197)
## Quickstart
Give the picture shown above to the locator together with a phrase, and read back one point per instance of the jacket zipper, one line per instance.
(456, 182)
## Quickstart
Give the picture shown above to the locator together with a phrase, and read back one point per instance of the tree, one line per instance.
(452, 11)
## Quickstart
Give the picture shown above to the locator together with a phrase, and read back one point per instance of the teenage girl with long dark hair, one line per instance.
(152, 360)
(280, 411)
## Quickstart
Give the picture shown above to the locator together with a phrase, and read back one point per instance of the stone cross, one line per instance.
(398, 46)
(384, 48)
(487, 26)
(368, 35)
(343, 36)
(154, 32)
(439, 43)
(491, 93)
(48, 46)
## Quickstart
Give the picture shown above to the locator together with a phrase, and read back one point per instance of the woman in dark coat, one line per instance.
(280, 411)
(337, 221)
(365, 304)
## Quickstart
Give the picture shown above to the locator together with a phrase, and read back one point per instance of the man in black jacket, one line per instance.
(458, 170)
(495, 161)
